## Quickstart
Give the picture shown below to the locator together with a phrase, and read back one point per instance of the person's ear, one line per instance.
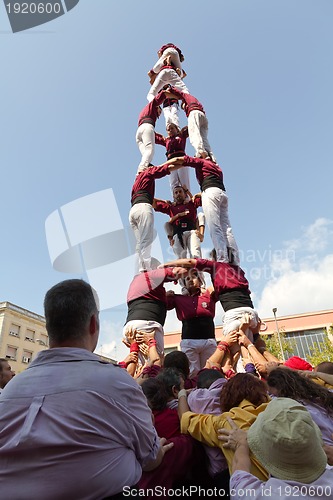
(94, 324)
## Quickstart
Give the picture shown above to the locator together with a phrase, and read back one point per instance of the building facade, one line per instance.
(22, 335)
(303, 331)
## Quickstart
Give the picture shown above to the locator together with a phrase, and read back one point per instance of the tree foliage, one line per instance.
(274, 345)
(323, 351)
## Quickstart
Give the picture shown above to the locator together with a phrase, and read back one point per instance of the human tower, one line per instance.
(147, 299)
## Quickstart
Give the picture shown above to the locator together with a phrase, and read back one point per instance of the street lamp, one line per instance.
(278, 332)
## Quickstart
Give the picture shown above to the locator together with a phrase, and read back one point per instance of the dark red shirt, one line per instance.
(205, 170)
(144, 183)
(149, 112)
(172, 209)
(225, 277)
(175, 146)
(149, 285)
(191, 103)
(192, 306)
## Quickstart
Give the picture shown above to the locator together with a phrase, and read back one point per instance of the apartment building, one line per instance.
(22, 335)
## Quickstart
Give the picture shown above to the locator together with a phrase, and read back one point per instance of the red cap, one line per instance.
(297, 363)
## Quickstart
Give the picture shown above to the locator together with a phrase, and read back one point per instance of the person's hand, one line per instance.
(243, 339)
(245, 322)
(261, 367)
(231, 337)
(199, 235)
(271, 365)
(170, 293)
(232, 438)
(144, 349)
(165, 445)
(145, 336)
(179, 160)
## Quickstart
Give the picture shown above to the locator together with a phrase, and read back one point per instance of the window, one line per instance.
(30, 335)
(27, 355)
(42, 340)
(11, 352)
(14, 330)
(303, 341)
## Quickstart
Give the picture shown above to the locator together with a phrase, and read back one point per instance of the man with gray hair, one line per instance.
(70, 421)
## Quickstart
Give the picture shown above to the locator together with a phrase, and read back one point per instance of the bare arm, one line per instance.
(180, 262)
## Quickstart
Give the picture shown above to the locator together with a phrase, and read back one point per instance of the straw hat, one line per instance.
(287, 442)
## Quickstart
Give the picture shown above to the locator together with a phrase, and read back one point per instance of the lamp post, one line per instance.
(278, 332)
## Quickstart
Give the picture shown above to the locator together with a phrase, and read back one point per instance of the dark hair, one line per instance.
(2, 360)
(243, 386)
(68, 307)
(155, 392)
(290, 384)
(325, 367)
(206, 377)
(170, 378)
(179, 360)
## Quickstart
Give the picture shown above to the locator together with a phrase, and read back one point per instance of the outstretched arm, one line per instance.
(188, 263)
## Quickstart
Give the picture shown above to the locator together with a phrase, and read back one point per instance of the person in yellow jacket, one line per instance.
(243, 398)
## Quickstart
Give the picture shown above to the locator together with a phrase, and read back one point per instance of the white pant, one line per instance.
(164, 77)
(174, 56)
(180, 177)
(145, 139)
(233, 319)
(146, 326)
(198, 132)
(197, 351)
(141, 218)
(215, 207)
(191, 245)
(171, 114)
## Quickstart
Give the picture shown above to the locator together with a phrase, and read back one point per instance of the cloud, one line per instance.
(302, 277)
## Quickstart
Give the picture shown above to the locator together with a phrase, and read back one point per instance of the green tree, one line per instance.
(274, 346)
(323, 351)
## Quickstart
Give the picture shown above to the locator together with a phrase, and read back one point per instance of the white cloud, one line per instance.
(303, 277)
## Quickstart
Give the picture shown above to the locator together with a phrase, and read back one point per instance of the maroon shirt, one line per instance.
(225, 277)
(175, 146)
(206, 171)
(144, 184)
(149, 285)
(172, 209)
(192, 306)
(191, 103)
(229, 282)
(149, 112)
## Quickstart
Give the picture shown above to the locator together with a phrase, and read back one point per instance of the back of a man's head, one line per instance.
(68, 307)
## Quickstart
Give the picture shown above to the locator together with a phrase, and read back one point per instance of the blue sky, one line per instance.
(71, 93)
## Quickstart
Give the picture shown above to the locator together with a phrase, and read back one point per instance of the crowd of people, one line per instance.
(228, 418)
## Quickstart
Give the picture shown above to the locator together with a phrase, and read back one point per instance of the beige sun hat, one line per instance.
(287, 442)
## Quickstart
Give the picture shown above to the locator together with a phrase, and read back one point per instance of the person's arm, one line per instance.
(178, 216)
(326, 377)
(159, 139)
(182, 403)
(153, 464)
(188, 263)
(235, 439)
(255, 355)
(222, 350)
(184, 132)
